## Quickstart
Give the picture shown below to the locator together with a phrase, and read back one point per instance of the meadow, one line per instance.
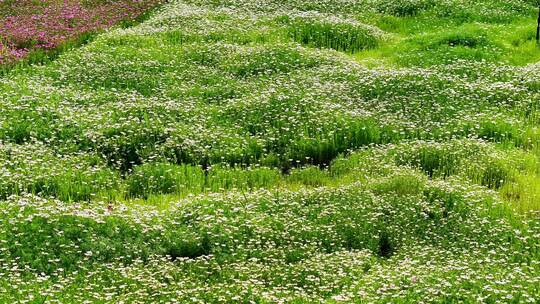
(273, 151)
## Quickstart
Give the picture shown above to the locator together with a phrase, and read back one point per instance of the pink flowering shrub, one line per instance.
(27, 25)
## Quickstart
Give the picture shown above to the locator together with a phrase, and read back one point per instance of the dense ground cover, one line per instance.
(28, 28)
(279, 152)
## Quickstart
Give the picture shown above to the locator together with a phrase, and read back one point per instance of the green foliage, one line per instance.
(225, 241)
(294, 151)
(333, 34)
(309, 176)
(404, 7)
(164, 178)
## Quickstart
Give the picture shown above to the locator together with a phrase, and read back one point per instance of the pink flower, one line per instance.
(52, 23)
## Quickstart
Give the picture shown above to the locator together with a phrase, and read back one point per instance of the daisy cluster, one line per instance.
(396, 238)
(244, 152)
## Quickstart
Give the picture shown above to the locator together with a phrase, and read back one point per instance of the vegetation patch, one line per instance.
(404, 8)
(273, 151)
(341, 35)
(28, 29)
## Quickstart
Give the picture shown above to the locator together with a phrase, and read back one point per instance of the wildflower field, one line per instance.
(271, 151)
(29, 28)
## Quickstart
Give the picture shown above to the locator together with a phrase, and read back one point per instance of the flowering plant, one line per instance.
(48, 24)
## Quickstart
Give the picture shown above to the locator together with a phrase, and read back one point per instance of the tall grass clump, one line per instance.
(332, 33)
(162, 178)
(438, 159)
(158, 178)
(221, 178)
(404, 8)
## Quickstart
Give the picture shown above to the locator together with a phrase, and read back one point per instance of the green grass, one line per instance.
(293, 151)
(338, 35)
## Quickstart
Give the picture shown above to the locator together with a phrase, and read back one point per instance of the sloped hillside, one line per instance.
(272, 151)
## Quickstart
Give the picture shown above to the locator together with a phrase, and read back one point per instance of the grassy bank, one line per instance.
(278, 152)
